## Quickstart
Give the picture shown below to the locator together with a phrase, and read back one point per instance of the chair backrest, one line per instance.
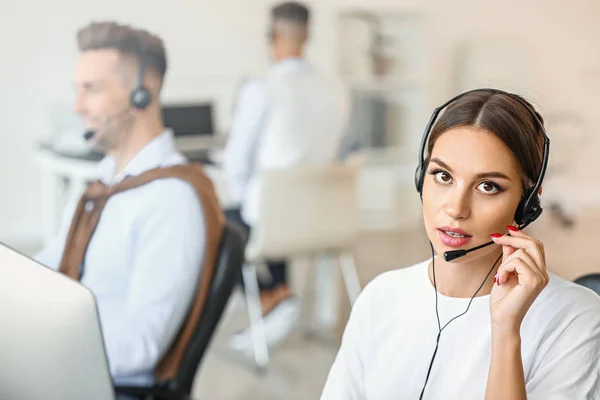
(591, 281)
(304, 210)
(227, 274)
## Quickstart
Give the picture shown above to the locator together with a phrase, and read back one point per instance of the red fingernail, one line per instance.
(496, 235)
(495, 278)
(512, 228)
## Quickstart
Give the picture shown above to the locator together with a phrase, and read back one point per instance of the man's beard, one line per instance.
(114, 136)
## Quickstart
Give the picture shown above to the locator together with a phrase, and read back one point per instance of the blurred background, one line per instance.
(399, 59)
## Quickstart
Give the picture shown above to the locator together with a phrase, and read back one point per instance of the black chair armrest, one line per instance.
(150, 393)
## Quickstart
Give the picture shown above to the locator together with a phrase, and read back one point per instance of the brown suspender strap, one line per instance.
(215, 226)
(87, 216)
(83, 225)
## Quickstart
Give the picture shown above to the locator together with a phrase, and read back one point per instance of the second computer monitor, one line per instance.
(189, 119)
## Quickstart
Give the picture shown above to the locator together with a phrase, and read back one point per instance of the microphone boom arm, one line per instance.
(454, 254)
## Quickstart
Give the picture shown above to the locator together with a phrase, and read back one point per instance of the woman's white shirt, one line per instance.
(391, 334)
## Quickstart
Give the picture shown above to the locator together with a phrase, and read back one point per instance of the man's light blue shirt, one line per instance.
(143, 262)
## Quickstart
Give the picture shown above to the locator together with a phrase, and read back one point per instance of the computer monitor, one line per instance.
(51, 345)
(189, 119)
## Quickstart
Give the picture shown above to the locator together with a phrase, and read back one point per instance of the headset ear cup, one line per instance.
(528, 211)
(418, 179)
(520, 212)
(140, 98)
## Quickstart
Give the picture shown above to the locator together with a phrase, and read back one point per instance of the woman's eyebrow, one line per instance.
(490, 174)
(441, 163)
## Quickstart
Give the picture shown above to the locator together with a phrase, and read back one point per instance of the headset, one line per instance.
(529, 208)
(140, 96)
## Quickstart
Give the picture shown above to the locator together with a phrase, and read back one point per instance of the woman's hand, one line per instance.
(520, 279)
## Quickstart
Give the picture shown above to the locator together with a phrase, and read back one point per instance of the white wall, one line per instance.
(209, 48)
(212, 44)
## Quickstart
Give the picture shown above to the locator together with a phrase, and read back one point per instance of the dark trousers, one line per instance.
(277, 268)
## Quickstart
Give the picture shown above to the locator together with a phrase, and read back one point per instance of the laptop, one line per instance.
(51, 344)
(192, 124)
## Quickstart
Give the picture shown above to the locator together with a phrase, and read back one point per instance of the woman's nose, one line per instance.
(458, 204)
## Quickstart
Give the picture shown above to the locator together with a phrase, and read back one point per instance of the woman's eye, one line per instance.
(488, 188)
(443, 177)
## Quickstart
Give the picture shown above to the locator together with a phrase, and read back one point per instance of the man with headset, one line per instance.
(144, 260)
(291, 117)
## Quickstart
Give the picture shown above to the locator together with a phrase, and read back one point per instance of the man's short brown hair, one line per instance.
(128, 41)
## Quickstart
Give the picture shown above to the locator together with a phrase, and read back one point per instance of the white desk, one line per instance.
(65, 177)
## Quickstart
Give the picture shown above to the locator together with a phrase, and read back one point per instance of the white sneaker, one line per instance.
(279, 323)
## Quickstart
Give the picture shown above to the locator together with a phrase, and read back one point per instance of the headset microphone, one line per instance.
(454, 254)
(528, 210)
(88, 135)
(140, 97)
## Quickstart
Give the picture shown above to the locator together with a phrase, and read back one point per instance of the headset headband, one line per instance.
(529, 207)
(140, 96)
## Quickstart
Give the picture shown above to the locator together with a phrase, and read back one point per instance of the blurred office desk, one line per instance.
(65, 176)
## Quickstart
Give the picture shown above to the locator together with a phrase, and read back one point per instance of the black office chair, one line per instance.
(227, 274)
(591, 281)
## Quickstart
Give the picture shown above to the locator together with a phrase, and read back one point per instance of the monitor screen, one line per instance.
(189, 119)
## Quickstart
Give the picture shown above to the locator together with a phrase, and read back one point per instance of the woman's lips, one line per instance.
(452, 241)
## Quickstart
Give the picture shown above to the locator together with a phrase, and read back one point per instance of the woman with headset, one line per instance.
(486, 320)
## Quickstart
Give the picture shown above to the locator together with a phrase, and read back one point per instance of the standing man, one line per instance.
(146, 254)
(291, 117)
